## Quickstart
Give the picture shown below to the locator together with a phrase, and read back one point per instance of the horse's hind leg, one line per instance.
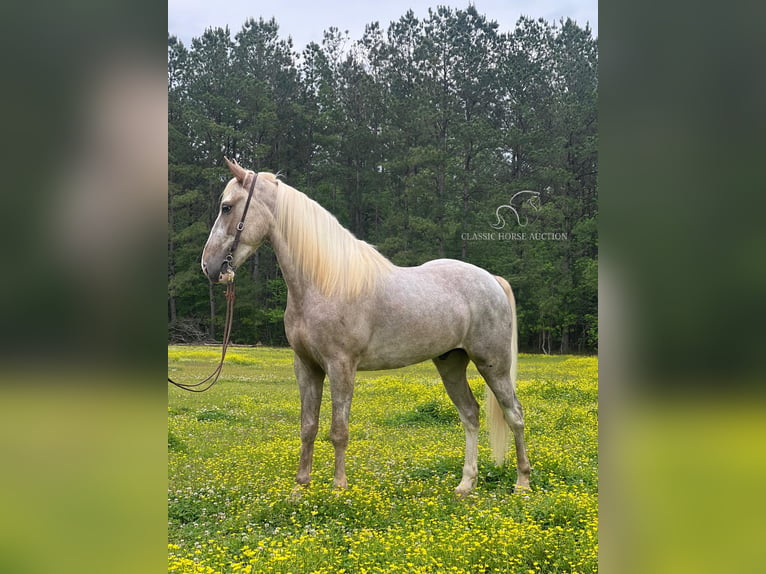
(498, 379)
(310, 382)
(452, 370)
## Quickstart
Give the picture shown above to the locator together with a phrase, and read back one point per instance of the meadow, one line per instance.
(233, 452)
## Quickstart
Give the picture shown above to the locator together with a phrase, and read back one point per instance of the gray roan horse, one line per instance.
(349, 308)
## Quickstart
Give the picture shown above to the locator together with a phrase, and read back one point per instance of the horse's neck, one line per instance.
(295, 283)
(313, 261)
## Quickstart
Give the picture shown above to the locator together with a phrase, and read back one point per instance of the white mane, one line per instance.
(324, 251)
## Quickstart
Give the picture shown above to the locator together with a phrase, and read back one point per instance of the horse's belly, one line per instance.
(398, 343)
(394, 361)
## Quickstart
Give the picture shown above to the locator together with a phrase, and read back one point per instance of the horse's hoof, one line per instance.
(297, 492)
(340, 484)
(522, 489)
(463, 490)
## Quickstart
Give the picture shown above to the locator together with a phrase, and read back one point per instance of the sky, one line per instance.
(306, 20)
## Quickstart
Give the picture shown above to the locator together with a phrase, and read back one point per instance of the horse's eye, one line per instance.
(225, 208)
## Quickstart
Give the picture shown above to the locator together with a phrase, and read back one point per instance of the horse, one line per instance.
(351, 309)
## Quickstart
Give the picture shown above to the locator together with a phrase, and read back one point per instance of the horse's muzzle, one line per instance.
(219, 274)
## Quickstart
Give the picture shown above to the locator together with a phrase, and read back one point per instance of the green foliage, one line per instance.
(215, 415)
(433, 412)
(412, 136)
(175, 444)
(230, 494)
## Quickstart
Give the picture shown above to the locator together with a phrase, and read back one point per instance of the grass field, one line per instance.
(233, 453)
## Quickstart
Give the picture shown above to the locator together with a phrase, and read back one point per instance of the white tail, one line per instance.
(499, 431)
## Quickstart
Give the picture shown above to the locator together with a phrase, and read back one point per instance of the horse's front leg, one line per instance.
(342, 388)
(310, 382)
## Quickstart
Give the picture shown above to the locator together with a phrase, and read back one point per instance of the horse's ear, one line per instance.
(237, 170)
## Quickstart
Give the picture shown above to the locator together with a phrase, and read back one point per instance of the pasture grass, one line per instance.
(233, 453)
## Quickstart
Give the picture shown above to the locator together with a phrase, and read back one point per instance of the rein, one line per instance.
(226, 267)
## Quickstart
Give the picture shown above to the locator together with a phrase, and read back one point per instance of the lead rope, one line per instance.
(212, 378)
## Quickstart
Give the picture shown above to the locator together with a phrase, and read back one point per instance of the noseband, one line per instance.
(226, 266)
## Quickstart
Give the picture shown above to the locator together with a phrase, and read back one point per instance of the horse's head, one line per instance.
(258, 223)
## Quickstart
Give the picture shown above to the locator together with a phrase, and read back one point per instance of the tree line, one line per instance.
(414, 137)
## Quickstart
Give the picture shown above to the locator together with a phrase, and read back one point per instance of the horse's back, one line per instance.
(456, 282)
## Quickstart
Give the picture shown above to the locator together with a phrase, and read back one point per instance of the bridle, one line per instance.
(227, 264)
(226, 267)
